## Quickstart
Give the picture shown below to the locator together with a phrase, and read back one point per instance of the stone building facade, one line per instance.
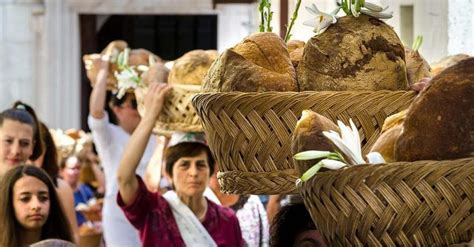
(40, 40)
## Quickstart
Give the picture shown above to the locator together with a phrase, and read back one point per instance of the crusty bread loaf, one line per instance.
(155, 73)
(447, 62)
(440, 122)
(308, 136)
(192, 67)
(391, 130)
(261, 62)
(296, 56)
(360, 53)
(385, 144)
(294, 44)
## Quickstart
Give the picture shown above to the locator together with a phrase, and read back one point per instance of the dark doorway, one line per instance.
(168, 36)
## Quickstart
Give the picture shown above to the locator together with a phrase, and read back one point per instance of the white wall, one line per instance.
(17, 59)
(39, 40)
(461, 27)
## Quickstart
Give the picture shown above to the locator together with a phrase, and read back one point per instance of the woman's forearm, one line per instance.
(128, 183)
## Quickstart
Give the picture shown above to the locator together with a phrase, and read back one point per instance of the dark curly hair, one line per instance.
(290, 221)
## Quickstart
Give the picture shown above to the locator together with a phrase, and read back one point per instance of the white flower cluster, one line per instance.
(321, 21)
(348, 153)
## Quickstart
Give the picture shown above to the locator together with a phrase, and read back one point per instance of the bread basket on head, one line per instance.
(185, 75)
(250, 133)
(178, 113)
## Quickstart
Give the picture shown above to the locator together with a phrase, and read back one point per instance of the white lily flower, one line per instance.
(348, 142)
(378, 15)
(374, 7)
(126, 79)
(321, 21)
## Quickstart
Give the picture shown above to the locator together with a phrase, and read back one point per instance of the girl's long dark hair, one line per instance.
(56, 226)
(50, 160)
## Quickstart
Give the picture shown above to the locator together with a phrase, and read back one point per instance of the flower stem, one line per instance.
(417, 44)
(292, 21)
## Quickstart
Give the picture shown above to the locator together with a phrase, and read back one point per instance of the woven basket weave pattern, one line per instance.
(424, 203)
(250, 133)
(178, 113)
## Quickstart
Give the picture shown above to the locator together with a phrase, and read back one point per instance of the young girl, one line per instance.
(30, 209)
(21, 138)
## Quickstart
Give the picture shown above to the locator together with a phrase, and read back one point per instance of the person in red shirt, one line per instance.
(183, 216)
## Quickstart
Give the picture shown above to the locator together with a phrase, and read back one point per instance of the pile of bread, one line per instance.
(360, 54)
(189, 69)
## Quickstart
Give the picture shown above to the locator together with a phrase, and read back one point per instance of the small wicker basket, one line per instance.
(178, 113)
(423, 203)
(250, 133)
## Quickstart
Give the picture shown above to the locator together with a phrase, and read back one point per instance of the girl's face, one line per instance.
(31, 202)
(72, 171)
(191, 175)
(16, 143)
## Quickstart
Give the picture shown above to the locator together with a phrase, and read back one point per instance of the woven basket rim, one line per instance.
(399, 201)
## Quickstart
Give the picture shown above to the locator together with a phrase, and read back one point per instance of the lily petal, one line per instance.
(379, 15)
(356, 138)
(375, 158)
(342, 147)
(374, 7)
(311, 155)
(333, 164)
(335, 11)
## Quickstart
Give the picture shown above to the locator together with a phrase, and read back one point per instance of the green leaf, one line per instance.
(311, 155)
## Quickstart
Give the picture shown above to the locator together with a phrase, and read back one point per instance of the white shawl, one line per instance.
(191, 229)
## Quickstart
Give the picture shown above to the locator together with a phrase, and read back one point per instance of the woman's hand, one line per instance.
(128, 183)
(155, 99)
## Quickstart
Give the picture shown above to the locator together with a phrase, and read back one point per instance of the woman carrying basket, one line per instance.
(182, 217)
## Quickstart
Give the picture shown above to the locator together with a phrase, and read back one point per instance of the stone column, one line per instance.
(60, 86)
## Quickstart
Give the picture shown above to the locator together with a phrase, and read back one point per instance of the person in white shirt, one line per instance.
(110, 141)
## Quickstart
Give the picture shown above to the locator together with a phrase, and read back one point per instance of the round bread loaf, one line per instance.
(360, 53)
(261, 62)
(440, 123)
(191, 67)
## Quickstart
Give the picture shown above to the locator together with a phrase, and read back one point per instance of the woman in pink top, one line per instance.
(183, 217)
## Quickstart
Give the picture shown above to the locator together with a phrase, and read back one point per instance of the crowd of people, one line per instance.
(127, 186)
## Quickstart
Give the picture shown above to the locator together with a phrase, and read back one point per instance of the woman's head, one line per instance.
(189, 166)
(71, 169)
(20, 137)
(29, 203)
(293, 226)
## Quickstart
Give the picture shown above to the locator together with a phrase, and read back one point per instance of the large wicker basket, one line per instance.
(423, 203)
(250, 133)
(178, 113)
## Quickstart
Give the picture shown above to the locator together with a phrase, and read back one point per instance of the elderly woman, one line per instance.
(183, 217)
